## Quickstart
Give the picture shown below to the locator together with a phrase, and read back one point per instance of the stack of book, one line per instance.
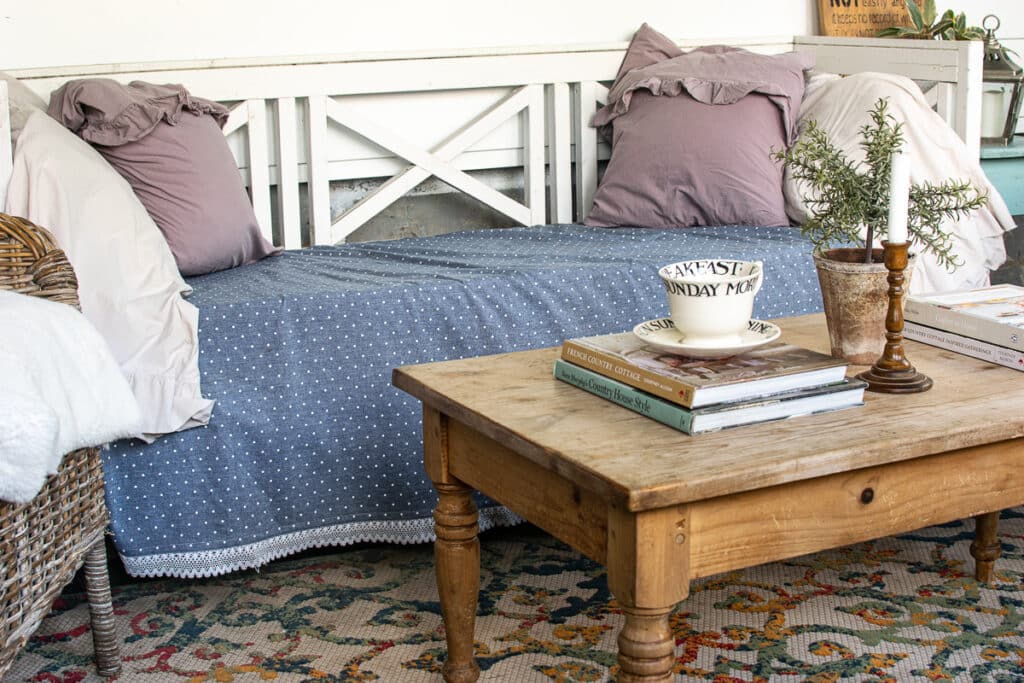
(986, 323)
(773, 382)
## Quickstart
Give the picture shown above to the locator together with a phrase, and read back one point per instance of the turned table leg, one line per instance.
(457, 562)
(985, 548)
(456, 551)
(646, 647)
(648, 573)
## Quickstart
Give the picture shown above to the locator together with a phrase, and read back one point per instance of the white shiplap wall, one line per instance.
(62, 32)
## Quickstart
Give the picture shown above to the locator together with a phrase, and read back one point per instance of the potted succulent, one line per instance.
(927, 25)
(848, 206)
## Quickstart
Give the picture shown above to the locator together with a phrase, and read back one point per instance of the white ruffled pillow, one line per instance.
(21, 104)
(841, 106)
(129, 285)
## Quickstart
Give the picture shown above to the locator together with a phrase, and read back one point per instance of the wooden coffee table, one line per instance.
(659, 508)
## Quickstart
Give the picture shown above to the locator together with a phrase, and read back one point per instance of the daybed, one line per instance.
(308, 444)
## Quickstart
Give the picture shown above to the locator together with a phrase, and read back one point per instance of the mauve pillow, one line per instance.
(647, 47)
(169, 147)
(700, 179)
(692, 138)
(187, 179)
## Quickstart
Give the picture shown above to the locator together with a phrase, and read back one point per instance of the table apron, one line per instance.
(754, 527)
(556, 504)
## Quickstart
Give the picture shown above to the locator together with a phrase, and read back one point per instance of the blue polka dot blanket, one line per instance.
(310, 445)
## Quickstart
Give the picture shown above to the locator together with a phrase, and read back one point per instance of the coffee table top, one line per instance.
(633, 460)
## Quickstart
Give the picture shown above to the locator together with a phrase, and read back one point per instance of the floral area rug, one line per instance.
(903, 608)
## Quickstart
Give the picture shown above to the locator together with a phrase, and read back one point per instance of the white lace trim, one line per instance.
(194, 565)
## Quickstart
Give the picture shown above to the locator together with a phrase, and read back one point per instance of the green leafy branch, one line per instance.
(930, 204)
(843, 196)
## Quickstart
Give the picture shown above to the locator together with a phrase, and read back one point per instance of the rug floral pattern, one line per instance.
(898, 609)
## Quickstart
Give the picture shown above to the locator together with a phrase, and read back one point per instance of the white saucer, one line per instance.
(663, 335)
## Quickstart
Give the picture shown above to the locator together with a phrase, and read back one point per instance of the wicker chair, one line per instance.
(44, 542)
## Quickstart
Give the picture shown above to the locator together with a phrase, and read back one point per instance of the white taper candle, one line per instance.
(899, 198)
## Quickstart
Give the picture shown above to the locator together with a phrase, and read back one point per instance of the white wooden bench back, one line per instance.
(298, 124)
(954, 66)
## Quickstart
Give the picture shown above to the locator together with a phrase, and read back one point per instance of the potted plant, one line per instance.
(848, 204)
(927, 25)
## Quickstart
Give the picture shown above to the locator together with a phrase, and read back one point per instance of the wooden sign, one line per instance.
(860, 17)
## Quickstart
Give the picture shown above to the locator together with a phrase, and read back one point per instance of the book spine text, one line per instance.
(626, 396)
(982, 329)
(1000, 355)
(639, 378)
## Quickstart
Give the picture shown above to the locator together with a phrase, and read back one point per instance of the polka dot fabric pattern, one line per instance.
(310, 445)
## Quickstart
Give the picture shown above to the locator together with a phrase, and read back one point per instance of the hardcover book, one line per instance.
(991, 314)
(808, 401)
(691, 382)
(975, 348)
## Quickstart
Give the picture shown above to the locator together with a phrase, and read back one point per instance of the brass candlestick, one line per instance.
(892, 373)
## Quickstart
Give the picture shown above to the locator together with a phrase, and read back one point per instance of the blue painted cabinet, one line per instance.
(1004, 166)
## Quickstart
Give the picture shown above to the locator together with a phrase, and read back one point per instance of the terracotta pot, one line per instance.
(856, 298)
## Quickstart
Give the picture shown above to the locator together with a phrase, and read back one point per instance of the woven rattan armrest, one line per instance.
(44, 542)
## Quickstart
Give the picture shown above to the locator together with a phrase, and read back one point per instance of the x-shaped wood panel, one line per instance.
(439, 160)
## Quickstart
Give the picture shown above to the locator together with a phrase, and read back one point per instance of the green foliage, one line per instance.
(842, 195)
(959, 30)
(927, 25)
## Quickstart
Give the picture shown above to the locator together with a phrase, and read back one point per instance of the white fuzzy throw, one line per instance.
(60, 390)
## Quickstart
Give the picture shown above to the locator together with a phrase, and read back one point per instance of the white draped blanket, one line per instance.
(61, 390)
(841, 107)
